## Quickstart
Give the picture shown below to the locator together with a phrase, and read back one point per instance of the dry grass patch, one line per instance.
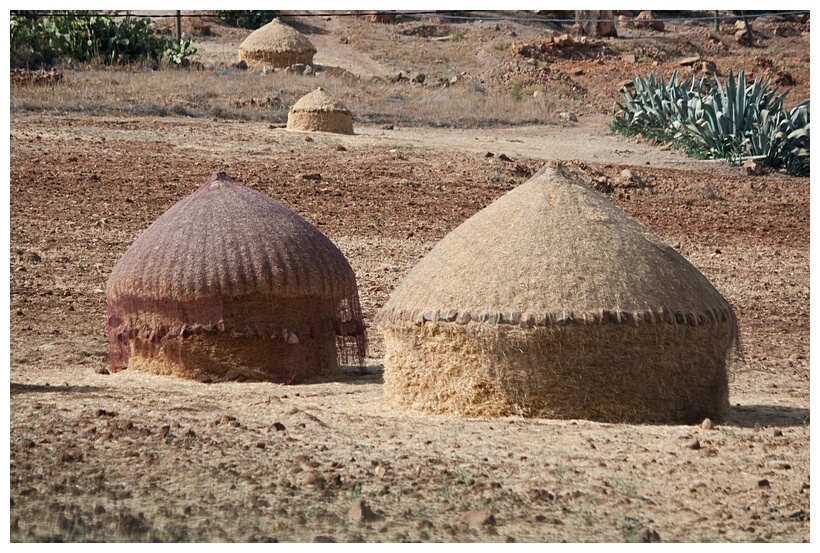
(248, 95)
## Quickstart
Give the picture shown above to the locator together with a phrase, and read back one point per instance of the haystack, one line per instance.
(278, 45)
(319, 111)
(552, 302)
(230, 284)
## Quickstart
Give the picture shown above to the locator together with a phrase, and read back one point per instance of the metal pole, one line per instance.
(179, 26)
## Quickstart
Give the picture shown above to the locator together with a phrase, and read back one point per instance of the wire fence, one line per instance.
(464, 16)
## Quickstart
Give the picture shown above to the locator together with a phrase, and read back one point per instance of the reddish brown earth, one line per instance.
(137, 457)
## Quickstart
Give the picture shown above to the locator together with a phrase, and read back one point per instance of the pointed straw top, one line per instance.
(552, 251)
(228, 240)
(319, 101)
(277, 37)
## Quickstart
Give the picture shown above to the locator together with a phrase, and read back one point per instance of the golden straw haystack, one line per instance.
(278, 45)
(552, 302)
(319, 111)
(230, 284)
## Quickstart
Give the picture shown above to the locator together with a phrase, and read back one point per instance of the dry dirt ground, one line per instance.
(136, 457)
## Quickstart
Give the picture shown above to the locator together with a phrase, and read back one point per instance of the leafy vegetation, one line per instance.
(85, 37)
(247, 19)
(710, 119)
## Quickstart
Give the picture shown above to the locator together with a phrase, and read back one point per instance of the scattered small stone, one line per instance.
(102, 370)
(744, 37)
(694, 444)
(489, 154)
(763, 483)
(782, 465)
(777, 433)
(204, 379)
(379, 470)
(312, 176)
(627, 176)
(707, 424)
(625, 84)
(503, 157)
(690, 61)
(308, 139)
(477, 517)
(323, 539)
(278, 426)
(339, 148)
(387, 127)
(629, 58)
(800, 515)
(424, 523)
(70, 455)
(360, 511)
(104, 413)
(752, 167)
(165, 430)
(649, 535)
(568, 116)
(261, 445)
(310, 479)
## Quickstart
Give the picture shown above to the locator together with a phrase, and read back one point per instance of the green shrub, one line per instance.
(711, 119)
(83, 37)
(247, 19)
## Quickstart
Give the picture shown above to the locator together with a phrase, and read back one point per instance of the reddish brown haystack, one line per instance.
(229, 284)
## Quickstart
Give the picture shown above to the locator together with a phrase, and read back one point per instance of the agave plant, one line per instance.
(713, 120)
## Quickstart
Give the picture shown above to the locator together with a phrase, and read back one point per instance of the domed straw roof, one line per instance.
(319, 101)
(319, 111)
(276, 37)
(228, 241)
(554, 302)
(553, 252)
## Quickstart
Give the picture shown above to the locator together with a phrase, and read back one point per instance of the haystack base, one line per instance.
(276, 59)
(324, 121)
(221, 357)
(665, 373)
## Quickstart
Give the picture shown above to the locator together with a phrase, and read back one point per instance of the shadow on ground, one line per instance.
(767, 415)
(30, 388)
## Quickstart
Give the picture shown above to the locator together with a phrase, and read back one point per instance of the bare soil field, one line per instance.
(136, 457)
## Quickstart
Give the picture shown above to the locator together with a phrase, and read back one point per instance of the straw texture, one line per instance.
(319, 111)
(230, 261)
(557, 284)
(278, 45)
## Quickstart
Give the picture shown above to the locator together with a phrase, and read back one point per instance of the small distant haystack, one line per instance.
(230, 284)
(278, 45)
(319, 111)
(552, 302)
